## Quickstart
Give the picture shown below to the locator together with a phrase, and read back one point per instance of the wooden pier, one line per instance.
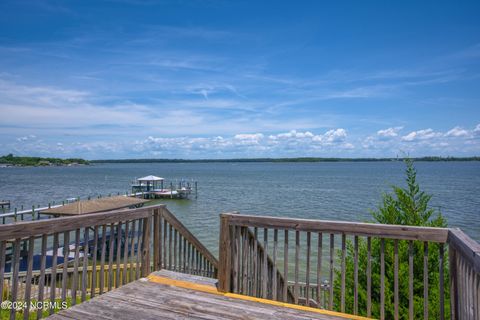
(144, 263)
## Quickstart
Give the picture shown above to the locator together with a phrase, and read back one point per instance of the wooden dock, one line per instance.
(170, 295)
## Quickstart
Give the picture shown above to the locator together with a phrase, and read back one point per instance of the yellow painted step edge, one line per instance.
(213, 290)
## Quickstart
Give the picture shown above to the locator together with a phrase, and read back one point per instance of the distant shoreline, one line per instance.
(302, 159)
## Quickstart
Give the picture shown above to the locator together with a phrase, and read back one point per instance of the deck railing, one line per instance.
(345, 266)
(103, 250)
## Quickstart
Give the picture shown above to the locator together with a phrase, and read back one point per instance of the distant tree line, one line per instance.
(303, 159)
(39, 161)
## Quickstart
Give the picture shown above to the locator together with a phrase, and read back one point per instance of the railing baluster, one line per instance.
(236, 249)
(255, 262)
(319, 269)
(425, 280)
(274, 265)
(342, 293)
(165, 228)
(125, 253)
(355, 276)
(2, 267)
(132, 251)
(28, 280)
(265, 263)
(146, 231)
(118, 253)
(440, 282)
(75, 267)
(179, 268)
(395, 279)
(14, 265)
(175, 239)
(369, 277)
(332, 248)
(66, 253)
(410, 280)
(102, 259)
(41, 280)
(170, 230)
(156, 240)
(110, 256)
(139, 249)
(307, 276)
(185, 255)
(53, 274)
(382, 278)
(93, 287)
(85, 264)
(244, 259)
(285, 266)
(297, 255)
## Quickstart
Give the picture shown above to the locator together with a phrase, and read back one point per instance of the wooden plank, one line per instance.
(395, 280)
(26, 229)
(355, 276)
(53, 282)
(296, 290)
(75, 267)
(410, 281)
(425, 280)
(86, 238)
(285, 266)
(179, 268)
(102, 259)
(41, 280)
(66, 252)
(332, 253)
(382, 279)
(343, 265)
(353, 228)
(369, 277)
(93, 287)
(165, 231)
(28, 280)
(319, 270)
(170, 244)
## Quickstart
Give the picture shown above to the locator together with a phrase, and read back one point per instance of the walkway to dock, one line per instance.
(170, 295)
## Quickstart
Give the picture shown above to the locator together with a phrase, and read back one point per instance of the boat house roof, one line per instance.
(150, 178)
(95, 205)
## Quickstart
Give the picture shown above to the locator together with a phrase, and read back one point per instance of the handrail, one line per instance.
(355, 228)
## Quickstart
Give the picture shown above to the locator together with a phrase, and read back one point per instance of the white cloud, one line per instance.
(425, 134)
(477, 129)
(27, 138)
(336, 135)
(457, 132)
(389, 133)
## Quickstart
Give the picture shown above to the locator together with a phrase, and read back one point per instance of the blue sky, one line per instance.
(224, 79)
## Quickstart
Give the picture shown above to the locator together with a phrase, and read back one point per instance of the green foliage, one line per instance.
(405, 206)
(38, 161)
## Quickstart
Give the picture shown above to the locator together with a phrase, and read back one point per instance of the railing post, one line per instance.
(157, 264)
(147, 222)
(225, 261)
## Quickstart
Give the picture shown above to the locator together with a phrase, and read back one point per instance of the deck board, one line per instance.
(145, 299)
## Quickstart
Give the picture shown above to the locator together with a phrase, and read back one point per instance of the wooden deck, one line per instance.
(169, 295)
